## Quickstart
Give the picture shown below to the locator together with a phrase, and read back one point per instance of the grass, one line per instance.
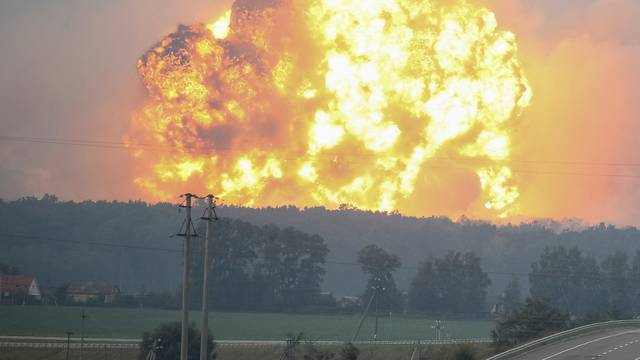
(369, 352)
(131, 323)
(379, 352)
(60, 354)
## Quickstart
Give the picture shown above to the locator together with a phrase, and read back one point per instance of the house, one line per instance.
(93, 291)
(18, 288)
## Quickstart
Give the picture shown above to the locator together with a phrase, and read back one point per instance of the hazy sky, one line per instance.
(68, 71)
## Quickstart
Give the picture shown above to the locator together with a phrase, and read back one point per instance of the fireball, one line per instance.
(330, 102)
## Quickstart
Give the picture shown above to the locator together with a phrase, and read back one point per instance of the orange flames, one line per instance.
(376, 104)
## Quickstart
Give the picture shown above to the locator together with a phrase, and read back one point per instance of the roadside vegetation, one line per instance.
(164, 343)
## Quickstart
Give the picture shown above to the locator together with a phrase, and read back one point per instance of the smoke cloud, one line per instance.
(582, 60)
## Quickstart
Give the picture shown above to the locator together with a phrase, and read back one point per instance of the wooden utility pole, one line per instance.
(204, 339)
(184, 336)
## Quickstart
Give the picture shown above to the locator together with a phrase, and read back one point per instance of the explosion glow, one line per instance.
(326, 102)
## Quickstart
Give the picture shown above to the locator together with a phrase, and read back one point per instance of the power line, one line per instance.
(95, 243)
(210, 148)
(599, 275)
(510, 273)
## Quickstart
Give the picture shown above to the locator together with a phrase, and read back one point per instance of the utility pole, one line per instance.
(377, 289)
(184, 336)
(437, 327)
(120, 270)
(204, 339)
(364, 315)
(69, 333)
(83, 316)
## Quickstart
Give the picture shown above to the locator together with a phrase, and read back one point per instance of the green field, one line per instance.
(368, 352)
(131, 323)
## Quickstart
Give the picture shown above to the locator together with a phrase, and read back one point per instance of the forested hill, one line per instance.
(506, 251)
(48, 239)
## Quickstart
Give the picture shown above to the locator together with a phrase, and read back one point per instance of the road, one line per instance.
(615, 344)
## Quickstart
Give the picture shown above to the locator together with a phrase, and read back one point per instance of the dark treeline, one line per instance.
(31, 230)
(582, 287)
(262, 268)
(569, 289)
(502, 248)
(267, 260)
(453, 284)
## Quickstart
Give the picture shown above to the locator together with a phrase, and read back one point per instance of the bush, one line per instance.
(349, 352)
(533, 320)
(166, 341)
(464, 353)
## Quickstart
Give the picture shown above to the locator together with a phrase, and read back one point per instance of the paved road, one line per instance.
(618, 344)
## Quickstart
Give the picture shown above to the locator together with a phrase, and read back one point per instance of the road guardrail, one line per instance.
(60, 342)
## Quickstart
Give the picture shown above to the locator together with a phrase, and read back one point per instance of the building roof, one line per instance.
(18, 284)
(92, 288)
(15, 280)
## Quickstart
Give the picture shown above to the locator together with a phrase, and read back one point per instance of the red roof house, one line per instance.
(12, 285)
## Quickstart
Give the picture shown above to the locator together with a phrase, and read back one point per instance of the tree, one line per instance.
(567, 280)
(233, 250)
(617, 285)
(533, 320)
(292, 263)
(261, 268)
(166, 340)
(454, 283)
(634, 274)
(512, 297)
(379, 265)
